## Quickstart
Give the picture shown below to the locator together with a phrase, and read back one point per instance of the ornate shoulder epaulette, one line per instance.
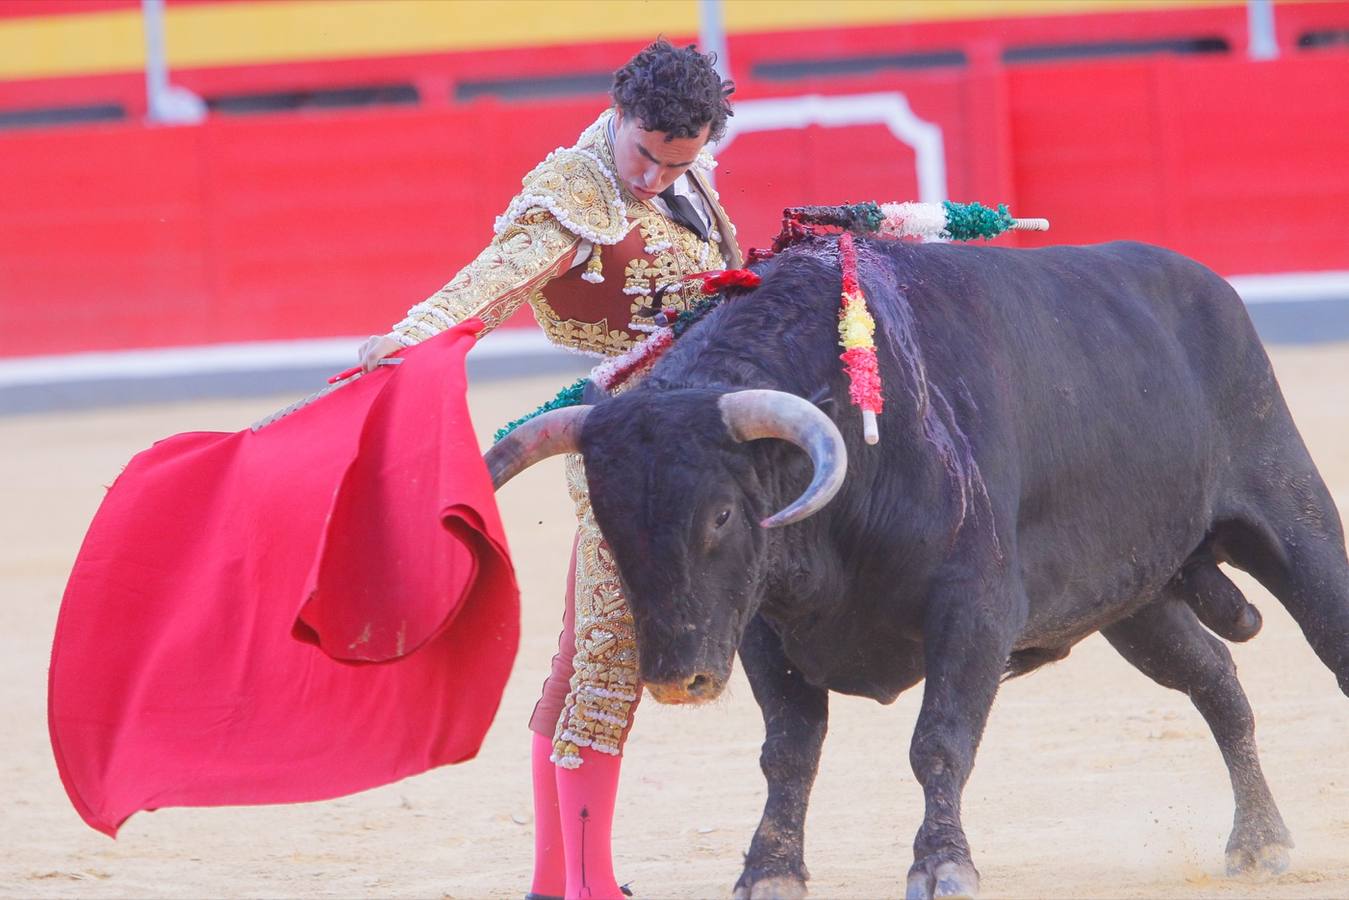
(580, 192)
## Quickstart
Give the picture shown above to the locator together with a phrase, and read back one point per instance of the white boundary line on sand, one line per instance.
(1291, 287)
(339, 353)
(256, 356)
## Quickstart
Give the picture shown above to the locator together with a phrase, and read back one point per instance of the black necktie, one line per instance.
(682, 211)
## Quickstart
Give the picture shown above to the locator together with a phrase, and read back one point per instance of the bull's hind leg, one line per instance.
(1167, 643)
(795, 717)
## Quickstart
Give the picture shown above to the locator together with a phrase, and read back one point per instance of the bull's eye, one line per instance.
(722, 517)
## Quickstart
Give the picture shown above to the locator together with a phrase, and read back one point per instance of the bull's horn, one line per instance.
(776, 414)
(556, 431)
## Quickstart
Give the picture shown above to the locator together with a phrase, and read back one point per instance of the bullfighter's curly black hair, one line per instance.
(674, 89)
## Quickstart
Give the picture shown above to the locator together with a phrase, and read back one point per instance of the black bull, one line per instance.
(1073, 439)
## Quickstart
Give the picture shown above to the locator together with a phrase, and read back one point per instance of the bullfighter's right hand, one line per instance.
(376, 348)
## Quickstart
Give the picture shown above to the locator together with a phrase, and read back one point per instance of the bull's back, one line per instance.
(1104, 384)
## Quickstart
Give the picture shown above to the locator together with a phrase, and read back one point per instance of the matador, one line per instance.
(596, 230)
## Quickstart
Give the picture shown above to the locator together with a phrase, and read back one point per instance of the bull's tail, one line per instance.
(1281, 525)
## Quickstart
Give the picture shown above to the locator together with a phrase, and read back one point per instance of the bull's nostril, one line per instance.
(699, 685)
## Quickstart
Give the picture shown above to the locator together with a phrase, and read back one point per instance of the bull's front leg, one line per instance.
(967, 636)
(795, 719)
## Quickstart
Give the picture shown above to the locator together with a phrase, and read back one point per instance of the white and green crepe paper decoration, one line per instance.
(945, 221)
(952, 221)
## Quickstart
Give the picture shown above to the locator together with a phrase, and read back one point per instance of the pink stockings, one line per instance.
(574, 798)
(573, 825)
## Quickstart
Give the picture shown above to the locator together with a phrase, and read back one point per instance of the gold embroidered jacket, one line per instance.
(573, 196)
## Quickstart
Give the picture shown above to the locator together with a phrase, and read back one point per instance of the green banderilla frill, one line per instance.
(967, 221)
(572, 394)
(569, 396)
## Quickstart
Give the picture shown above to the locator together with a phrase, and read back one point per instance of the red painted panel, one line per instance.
(1092, 139)
(102, 239)
(1264, 164)
(42, 93)
(759, 173)
(437, 73)
(47, 8)
(335, 222)
(1239, 164)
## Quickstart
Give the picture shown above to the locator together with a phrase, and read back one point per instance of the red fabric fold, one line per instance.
(295, 613)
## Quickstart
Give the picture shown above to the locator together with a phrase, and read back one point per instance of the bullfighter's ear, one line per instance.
(824, 399)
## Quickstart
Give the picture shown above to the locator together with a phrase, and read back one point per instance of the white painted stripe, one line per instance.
(890, 109)
(1292, 287)
(260, 356)
(525, 343)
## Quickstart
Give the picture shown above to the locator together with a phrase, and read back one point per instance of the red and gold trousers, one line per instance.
(593, 687)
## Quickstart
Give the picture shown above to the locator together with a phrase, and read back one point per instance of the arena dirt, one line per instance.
(1091, 780)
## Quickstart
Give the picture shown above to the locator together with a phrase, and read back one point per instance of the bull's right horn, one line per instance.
(556, 431)
(750, 415)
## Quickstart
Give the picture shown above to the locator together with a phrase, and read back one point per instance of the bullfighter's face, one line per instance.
(650, 161)
(675, 495)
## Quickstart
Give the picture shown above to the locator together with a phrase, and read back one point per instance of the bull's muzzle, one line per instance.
(699, 688)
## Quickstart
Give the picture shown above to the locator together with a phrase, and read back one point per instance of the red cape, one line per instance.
(294, 613)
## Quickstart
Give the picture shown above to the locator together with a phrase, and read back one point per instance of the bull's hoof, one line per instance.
(1259, 845)
(946, 879)
(777, 887)
(1271, 859)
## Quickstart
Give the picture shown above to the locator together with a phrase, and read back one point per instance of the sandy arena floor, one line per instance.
(1091, 781)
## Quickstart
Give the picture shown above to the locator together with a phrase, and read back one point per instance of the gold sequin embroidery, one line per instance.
(571, 196)
(524, 256)
(605, 682)
(579, 189)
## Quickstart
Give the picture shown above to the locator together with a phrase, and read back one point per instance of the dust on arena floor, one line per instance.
(1091, 780)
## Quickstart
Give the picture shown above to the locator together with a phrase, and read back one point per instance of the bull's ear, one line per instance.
(592, 393)
(824, 399)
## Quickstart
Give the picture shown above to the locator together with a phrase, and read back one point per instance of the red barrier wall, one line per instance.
(333, 223)
(1239, 164)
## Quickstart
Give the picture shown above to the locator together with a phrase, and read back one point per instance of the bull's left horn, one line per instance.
(556, 431)
(750, 415)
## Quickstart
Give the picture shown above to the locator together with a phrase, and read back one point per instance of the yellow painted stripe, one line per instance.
(776, 15)
(71, 45)
(270, 31)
